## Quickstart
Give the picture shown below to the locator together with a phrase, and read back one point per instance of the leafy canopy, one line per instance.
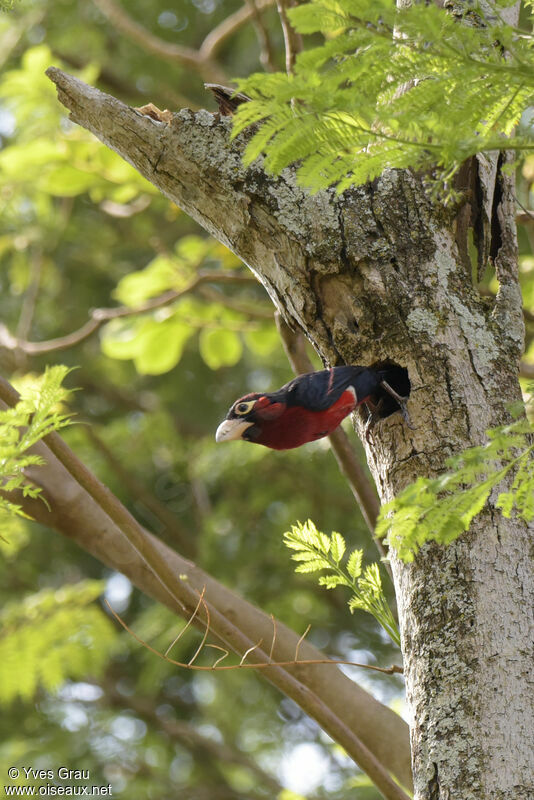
(51, 636)
(391, 88)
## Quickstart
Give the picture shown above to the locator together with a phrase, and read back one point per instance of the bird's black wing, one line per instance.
(317, 391)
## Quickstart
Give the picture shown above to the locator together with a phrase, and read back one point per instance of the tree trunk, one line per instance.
(378, 274)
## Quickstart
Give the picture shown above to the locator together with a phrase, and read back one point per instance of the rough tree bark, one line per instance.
(378, 274)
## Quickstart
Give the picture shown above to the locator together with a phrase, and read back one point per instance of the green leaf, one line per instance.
(67, 181)
(441, 509)
(155, 346)
(337, 546)
(160, 346)
(264, 341)
(219, 347)
(371, 96)
(316, 552)
(161, 274)
(313, 565)
(354, 564)
(331, 581)
(37, 413)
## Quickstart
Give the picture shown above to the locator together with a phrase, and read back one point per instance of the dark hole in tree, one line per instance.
(397, 378)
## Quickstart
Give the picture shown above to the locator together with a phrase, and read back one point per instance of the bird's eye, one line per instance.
(244, 408)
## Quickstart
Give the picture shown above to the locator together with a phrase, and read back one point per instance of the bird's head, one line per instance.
(249, 417)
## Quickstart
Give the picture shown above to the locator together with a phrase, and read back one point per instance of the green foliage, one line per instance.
(390, 88)
(315, 551)
(42, 163)
(52, 636)
(34, 416)
(220, 348)
(156, 342)
(440, 509)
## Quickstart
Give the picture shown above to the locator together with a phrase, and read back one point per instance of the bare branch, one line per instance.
(216, 296)
(264, 39)
(216, 38)
(296, 661)
(99, 316)
(168, 51)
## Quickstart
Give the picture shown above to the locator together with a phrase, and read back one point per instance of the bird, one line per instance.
(312, 406)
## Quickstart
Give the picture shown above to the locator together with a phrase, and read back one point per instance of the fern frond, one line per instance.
(317, 552)
(37, 414)
(390, 88)
(441, 509)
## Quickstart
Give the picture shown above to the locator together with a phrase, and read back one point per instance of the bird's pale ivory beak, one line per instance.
(231, 429)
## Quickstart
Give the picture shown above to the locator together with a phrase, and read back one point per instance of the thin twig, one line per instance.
(250, 650)
(225, 653)
(267, 59)
(292, 39)
(201, 60)
(394, 669)
(206, 631)
(274, 637)
(216, 296)
(528, 212)
(99, 316)
(188, 623)
(297, 648)
(150, 43)
(216, 38)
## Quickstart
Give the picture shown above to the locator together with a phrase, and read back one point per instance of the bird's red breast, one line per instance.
(297, 425)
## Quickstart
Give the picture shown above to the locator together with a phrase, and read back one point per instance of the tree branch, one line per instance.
(201, 60)
(168, 51)
(216, 38)
(267, 58)
(99, 316)
(82, 508)
(292, 39)
(171, 526)
(193, 163)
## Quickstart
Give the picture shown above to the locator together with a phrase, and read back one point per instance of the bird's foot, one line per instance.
(402, 401)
